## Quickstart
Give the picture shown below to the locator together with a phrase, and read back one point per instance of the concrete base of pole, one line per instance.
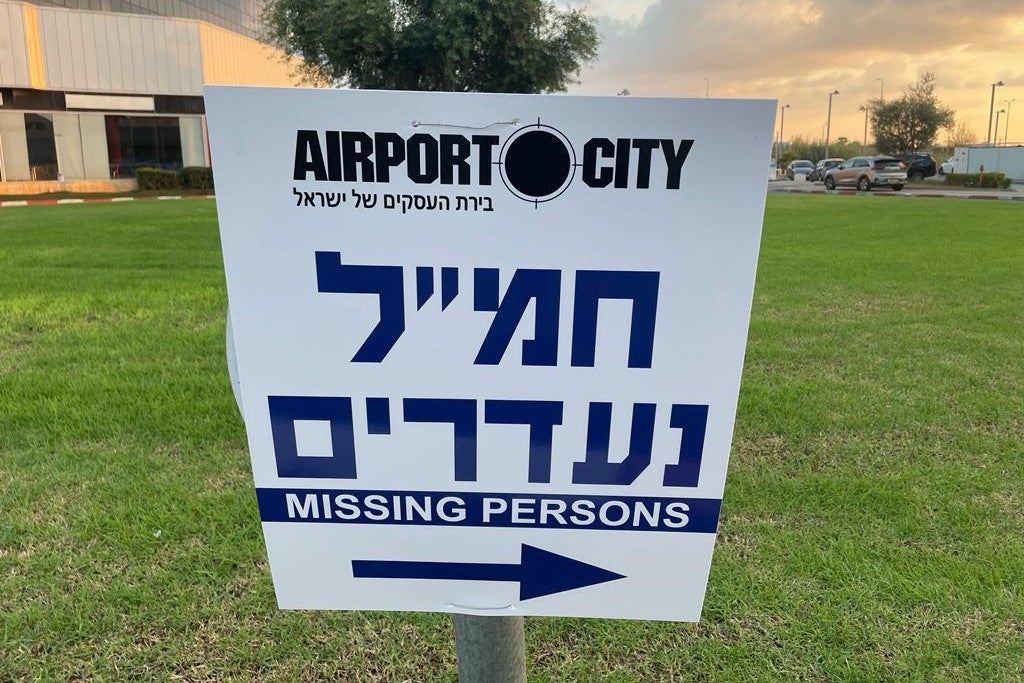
(490, 649)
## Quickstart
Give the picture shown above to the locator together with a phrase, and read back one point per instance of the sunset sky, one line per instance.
(797, 51)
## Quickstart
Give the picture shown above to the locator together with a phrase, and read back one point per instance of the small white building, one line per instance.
(1006, 159)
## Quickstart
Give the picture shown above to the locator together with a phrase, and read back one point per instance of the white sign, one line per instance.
(489, 346)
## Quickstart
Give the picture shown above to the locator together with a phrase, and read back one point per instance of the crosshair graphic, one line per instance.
(537, 163)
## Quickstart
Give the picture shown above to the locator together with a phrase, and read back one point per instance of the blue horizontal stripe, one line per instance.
(465, 509)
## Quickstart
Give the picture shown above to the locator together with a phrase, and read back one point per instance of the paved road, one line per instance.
(940, 189)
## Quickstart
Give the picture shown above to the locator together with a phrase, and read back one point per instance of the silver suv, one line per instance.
(865, 173)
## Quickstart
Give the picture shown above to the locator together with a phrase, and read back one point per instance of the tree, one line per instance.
(454, 45)
(961, 136)
(814, 150)
(911, 122)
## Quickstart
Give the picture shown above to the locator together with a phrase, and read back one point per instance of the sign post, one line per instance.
(490, 649)
(489, 347)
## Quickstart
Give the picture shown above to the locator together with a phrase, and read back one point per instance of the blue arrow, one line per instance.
(539, 572)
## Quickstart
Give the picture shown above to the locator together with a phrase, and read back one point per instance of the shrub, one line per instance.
(992, 180)
(157, 179)
(197, 177)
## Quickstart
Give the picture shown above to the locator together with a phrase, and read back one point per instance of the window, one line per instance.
(142, 141)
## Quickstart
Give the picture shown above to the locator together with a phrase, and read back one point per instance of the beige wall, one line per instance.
(15, 147)
(231, 59)
(104, 52)
(14, 63)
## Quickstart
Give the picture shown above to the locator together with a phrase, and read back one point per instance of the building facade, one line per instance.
(94, 91)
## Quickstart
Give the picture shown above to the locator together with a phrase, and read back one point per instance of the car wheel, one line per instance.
(917, 176)
(897, 188)
(830, 183)
(863, 184)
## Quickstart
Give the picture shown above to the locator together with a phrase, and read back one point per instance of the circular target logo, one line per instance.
(537, 163)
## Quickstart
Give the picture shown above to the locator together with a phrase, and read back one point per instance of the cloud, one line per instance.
(799, 50)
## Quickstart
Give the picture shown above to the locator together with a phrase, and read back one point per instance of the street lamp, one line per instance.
(782, 127)
(991, 108)
(864, 108)
(881, 95)
(828, 121)
(1006, 132)
(1001, 111)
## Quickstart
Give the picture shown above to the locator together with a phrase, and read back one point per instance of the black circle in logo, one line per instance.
(537, 163)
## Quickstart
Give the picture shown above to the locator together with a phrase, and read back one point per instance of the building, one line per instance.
(1006, 159)
(92, 89)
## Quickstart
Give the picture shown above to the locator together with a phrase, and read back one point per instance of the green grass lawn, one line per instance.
(140, 194)
(873, 526)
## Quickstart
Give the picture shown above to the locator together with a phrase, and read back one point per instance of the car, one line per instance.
(797, 167)
(947, 166)
(920, 165)
(818, 174)
(865, 173)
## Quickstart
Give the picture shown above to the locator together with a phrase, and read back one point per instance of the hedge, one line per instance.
(197, 177)
(992, 180)
(191, 177)
(157, 179)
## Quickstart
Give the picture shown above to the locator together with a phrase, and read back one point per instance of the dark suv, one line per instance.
(919, 165)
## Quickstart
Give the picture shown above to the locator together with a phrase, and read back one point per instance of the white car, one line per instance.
(946, 166)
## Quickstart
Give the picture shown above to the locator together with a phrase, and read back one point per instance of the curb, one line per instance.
(95, 200)
(930, 195)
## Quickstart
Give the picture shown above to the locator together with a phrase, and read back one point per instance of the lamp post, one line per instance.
(996, 138)
(1006, 127)
(864, 108)
(881, 94)
(828, 121)
(782, 128)
(991, 108)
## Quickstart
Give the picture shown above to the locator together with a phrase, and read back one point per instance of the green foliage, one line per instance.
(814, 150)
(157, 179)
(525, 46)
(990, 180)
(197, 177)
(911, 122)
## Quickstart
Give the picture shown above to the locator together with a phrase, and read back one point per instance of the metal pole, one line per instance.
(996, 138)
(828, 121)
(782, 128)
(863, 145)
(991, 109)
(1006, 127)
(490, 649)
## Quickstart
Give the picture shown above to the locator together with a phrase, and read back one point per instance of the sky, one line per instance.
(798, 51)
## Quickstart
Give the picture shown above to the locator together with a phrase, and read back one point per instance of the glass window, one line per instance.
(42, 148)
(142, 141)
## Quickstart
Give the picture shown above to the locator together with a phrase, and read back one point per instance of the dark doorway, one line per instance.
(42, 149)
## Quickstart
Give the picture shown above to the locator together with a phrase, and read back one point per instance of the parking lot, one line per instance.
(932, 187)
